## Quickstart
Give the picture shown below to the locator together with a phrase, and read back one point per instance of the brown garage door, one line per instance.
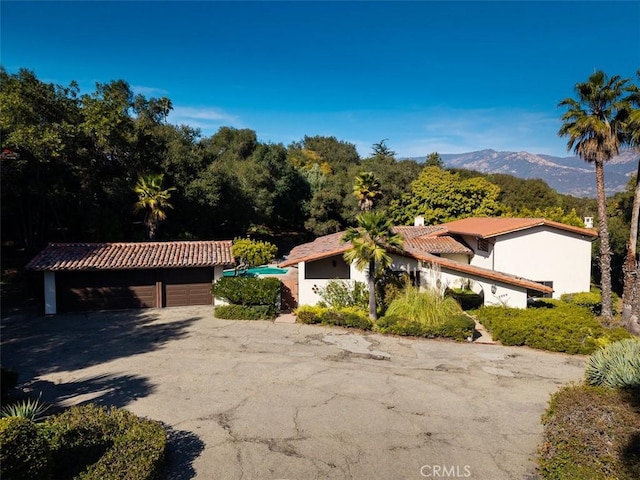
(107, 290)
(187, 286)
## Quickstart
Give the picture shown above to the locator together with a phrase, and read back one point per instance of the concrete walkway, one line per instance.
(265, 400)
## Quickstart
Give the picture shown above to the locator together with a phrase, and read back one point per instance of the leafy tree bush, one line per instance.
(96, 443)
(24, 450)
(309, 314)
(254, 252)
(459, 327)
(343, 293)
(243, 312)
(591, 433)
(249, 291)
(616, 365)
(591, 300)
(352, 317)
(554, 325)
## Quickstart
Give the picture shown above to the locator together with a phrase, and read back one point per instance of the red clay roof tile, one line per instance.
(126, 256)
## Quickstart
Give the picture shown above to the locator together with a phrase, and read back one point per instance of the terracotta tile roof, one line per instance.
(442, 244)
(409, 232)
(416, 237)
(321, 247)
(492, 275)
(493, 226)
(125, 256)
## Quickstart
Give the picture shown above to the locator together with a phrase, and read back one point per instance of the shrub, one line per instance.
(351, 317)
(616, 365)
(590, 433)
(309, 314)
(591, 300)
(425, 307)
(343, 293)
(555, 326)
(92, 443)
(460, 327)
(24, 450)
(243, 312)
(249, 291)
(254, 252)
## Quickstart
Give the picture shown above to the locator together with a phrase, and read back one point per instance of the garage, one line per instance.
(84, 291)
(108, 276)
(183, 287)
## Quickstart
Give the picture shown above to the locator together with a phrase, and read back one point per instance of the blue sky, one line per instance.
(449, 77)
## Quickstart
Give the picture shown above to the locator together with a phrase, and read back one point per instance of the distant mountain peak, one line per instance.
(569, 175)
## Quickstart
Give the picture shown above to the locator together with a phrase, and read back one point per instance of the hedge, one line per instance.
(243, 312)
(553, 325)
(460, 327)
(249, 291)
(342, 317)
(25, 453)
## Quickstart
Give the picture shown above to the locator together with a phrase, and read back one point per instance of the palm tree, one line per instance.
(594, 128)
(631, 267)
(366, 188)
(153, 199)
(369, 244)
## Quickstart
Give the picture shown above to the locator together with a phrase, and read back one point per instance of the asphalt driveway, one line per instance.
(263, 400)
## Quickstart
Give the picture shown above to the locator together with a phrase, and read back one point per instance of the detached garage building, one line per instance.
(105, 276)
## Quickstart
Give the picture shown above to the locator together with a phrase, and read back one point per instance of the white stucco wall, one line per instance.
(308, 288)
(543, 254)
(218, 274)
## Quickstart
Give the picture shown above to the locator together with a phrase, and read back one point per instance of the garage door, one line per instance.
(118, 289)
(187, 286)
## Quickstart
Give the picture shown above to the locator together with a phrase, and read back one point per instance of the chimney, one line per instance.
(588, 222)
(418, 222)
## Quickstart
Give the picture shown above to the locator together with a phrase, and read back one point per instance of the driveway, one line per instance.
(263, 400)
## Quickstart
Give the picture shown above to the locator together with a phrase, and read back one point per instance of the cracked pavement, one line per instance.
(264, 400)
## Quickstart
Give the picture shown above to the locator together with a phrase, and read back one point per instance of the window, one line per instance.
(483, 244)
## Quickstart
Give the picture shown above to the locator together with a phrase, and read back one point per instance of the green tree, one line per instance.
(153, 199)
(593, 126)
(366, 188)
(369, 245)
(434, 160)
(380, 150)
(441, 196)
(253, 252)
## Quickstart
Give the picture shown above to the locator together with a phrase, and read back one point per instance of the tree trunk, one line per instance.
(630, 267)
(605, 249)
(373, 308)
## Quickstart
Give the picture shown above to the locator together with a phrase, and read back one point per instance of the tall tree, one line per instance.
(154, 200)
(380, 150)
(441, 196)
(631, 266)
(434, 160)
(366, 188)
(369, 244)
(594, 128)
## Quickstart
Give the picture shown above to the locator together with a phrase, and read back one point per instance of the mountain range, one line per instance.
(569, 175)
